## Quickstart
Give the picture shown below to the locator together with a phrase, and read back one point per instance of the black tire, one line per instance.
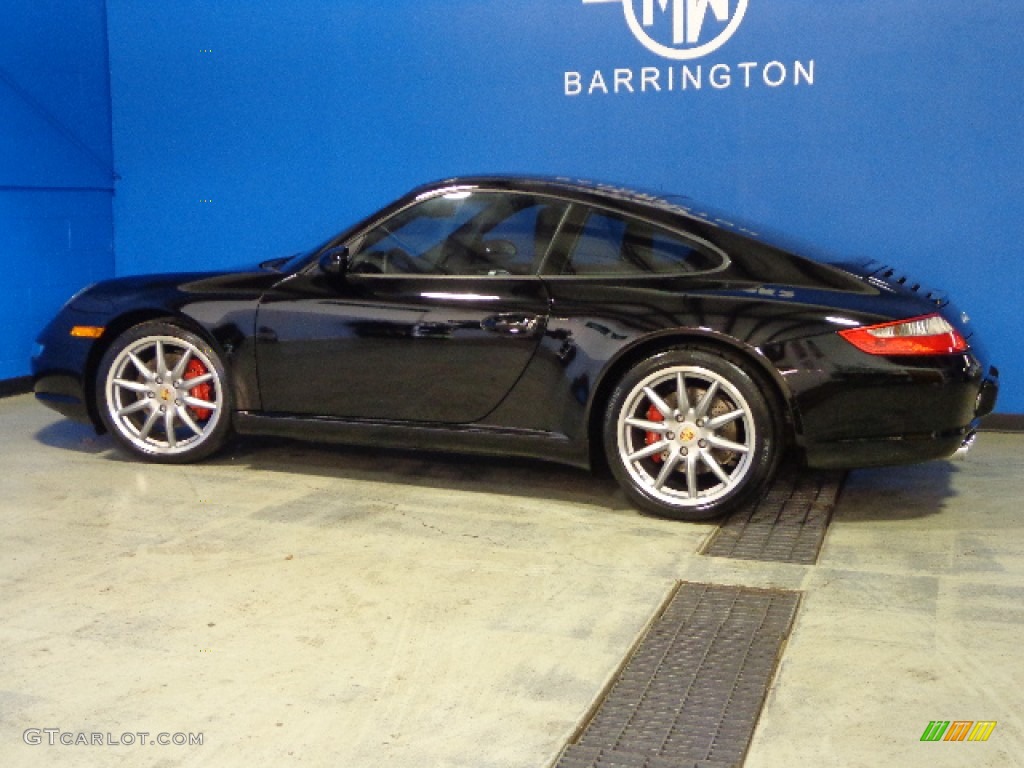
(163, 394)
(698, 459)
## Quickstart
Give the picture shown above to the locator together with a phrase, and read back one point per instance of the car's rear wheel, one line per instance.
(163, 393)
(689, 434)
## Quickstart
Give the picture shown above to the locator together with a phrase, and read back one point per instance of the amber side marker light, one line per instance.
(928, 335)
(86, 332)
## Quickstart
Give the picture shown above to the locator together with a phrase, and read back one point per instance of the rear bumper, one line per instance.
(884, 411)
(882, 452)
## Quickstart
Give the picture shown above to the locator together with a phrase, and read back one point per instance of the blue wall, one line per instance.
(249, 129)
(245, 130)
(56, 177)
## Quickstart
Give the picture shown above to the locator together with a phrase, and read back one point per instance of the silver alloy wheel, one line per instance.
(686, 436)
(156, 402)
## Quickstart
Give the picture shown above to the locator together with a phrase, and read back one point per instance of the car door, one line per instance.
(435, 318)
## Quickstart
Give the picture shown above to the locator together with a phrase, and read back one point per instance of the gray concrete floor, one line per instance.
(321, 606)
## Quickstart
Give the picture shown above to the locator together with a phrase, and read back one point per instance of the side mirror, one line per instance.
(334, 261)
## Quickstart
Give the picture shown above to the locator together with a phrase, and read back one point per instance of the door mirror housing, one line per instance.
(334, 261)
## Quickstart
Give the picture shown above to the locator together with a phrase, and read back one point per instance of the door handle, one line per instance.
(265, 335)
(512, 324)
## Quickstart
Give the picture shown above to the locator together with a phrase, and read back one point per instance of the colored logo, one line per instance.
(681, 29)
(958, 730)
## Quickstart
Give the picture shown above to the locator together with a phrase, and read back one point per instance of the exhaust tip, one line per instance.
(965, 446)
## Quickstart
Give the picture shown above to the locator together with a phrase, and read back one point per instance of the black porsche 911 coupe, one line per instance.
(552, 318)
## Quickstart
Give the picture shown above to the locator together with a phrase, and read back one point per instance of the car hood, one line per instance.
(110, 295)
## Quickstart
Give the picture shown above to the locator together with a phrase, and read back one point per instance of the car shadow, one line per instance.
(502, 475)
(73, 436)
(897, 493)
(885, 493)
(514, 476)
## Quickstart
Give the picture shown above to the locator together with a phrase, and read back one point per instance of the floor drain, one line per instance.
(786, 525)
(691, 693)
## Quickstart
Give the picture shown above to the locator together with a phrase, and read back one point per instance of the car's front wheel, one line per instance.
(163, 394)
(689, 434)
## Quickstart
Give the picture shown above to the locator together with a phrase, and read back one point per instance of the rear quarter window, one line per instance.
(607, 243)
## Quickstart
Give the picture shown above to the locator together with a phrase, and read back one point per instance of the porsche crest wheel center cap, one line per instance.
(689, 435)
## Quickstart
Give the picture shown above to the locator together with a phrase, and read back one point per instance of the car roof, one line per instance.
(652, 203)
(561, 185)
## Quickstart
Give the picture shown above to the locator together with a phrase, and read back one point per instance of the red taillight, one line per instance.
(928, 335)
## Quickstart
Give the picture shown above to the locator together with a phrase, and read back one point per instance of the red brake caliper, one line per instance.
(202, 391)
(653, 414)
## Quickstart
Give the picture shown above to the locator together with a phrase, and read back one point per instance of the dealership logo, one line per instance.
(683, 32)
(681, 29)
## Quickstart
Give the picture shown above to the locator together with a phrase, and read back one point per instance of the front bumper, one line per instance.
(60, 368)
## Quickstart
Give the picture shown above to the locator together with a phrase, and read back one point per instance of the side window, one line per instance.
(610, 244)
(480, 233)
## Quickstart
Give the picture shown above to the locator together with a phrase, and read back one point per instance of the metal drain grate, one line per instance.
(691, 693)
(786, 525)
